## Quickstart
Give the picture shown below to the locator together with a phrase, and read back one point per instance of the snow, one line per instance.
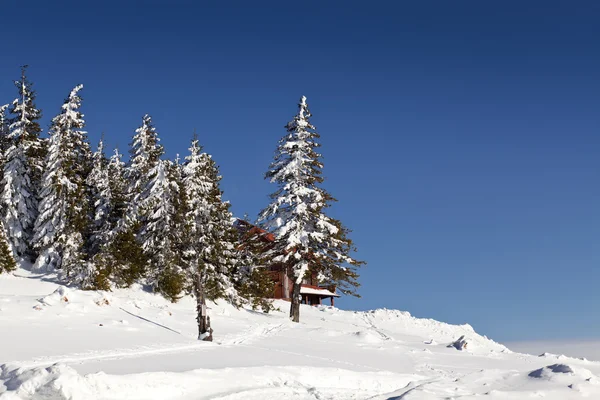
(58, 342)
(322, 292)
(587, 348)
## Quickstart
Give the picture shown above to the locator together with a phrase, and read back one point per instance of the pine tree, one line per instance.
(165, 272)
(181, 225)
(4, 131)
(98, 182)
(7, 261)
(307, 240)
(116, 195)
(4, 145)
(212, 255)
(119, 257)
(63, 222)
(25, 126)
(253, 282)
(145, 156)
(19, 204)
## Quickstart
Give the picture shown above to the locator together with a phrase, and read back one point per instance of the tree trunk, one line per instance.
(204, 329)
(295, 303)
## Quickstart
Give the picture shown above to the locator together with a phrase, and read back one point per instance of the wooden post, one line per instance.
(332, 302)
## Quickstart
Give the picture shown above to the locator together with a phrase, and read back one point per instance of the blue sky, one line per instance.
(462, 139)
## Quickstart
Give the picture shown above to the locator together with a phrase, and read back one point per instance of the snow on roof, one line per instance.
(320, 292)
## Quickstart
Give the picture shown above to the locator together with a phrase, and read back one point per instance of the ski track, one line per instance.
(372, 326)
(254, 333)
(77, 358)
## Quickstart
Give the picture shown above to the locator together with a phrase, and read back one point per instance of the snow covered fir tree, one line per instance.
(63, 222)
(307, 240)
(97, 222)
(23, 164)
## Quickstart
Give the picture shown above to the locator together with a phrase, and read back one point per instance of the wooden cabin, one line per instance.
(311, 292)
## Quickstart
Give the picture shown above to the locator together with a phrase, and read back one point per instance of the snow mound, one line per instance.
(546, 372)
(368, 337)
(575, 378)
(61, 295)
(57, 382)
(60, 382)
(401, 325)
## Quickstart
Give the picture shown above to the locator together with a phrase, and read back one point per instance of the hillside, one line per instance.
(61, 343)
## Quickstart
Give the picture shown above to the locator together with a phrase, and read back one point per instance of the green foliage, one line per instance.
(101, 280)
(257, 289)
(170, 284)
(127, 261)
(121, 261)
(7, 262)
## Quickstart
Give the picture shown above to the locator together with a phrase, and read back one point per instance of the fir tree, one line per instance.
(25, 126)
(7, 261)
(98, 182)
(119, 258)
(19, 204)
(117, 193)
(4, 131)
(181, 226)
(63, 222)
(23, 165)
(158, 234)
(4, 145)
(307, 240)
(212, 255)
(253, 281)
(145, 156)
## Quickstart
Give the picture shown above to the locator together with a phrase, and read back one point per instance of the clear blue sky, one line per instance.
(461, 138)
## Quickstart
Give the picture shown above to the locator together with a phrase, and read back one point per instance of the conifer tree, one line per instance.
(19, 203)
(98, 182)
(118, 188)
(4, 131)
(4, 145)
(119, 257)
(180, 226)
(212, 255)
(7, 261)
(307, 240)
(21, 170)
(145, 156)
(63, 222)
(165, 272)
(25, 126)
(253, 282)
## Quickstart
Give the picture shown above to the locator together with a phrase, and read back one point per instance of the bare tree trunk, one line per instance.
(286, 284)
(295, 303)
(204, 329)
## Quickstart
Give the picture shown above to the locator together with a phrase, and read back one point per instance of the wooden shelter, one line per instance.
(311, 291)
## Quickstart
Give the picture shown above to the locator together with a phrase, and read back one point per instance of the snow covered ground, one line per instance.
(585, 348)
(58, 343)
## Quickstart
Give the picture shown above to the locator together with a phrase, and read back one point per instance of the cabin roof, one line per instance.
(318, 291)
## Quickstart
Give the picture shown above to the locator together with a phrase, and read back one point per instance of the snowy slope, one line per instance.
(58, 343)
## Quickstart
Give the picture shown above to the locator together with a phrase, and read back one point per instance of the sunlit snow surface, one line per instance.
(60, 343)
